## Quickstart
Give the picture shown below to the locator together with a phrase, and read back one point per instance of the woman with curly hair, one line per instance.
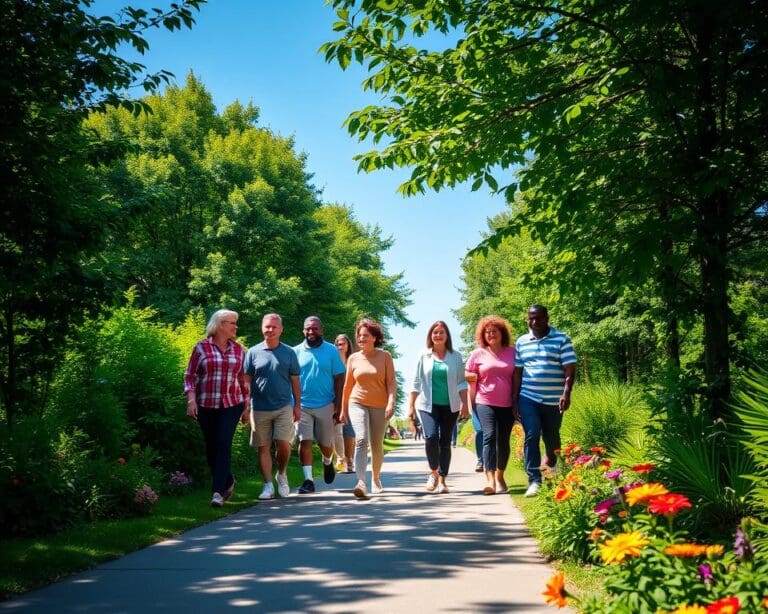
(345, 434)
(493, 363)
(369, 401)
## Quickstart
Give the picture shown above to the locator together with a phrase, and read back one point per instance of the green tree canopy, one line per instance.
(639, 131)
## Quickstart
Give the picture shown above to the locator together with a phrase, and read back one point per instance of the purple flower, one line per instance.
(604, 507)
(742, 547)
(705, 573)
(582, 460)
(615, 474)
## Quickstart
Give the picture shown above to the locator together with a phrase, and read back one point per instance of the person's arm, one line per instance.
(570, 374)
(517, 380)
(349, 383)
(247, 408)
(391, 383)
(412, 409)
(464, 408)
(338, 392)
(296, 388)
(190, 382)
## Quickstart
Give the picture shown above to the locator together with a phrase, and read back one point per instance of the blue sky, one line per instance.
(265, 51)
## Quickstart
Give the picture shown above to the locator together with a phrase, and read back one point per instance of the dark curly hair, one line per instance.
(374, 328)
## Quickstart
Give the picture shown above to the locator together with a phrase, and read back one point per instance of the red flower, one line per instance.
(726, 605)
(597, 450)
(606, 463)
(670, 503)
(644, 468)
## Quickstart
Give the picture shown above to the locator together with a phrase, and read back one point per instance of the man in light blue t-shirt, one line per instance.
(545, 367)
(321, 373)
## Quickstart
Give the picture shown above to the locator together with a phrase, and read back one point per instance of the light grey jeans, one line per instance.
(369, 424)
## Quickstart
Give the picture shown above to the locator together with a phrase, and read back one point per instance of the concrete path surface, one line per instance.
(403, 551)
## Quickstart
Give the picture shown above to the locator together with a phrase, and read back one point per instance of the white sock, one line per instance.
(307, 471)
(326, 461)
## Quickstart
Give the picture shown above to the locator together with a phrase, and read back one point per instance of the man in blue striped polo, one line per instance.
(545, 367)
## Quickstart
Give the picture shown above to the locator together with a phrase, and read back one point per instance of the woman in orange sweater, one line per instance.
(369, 401)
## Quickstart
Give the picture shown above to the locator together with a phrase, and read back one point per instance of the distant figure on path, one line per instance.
(493, 362)
(321, 373)
(272, 372)
(545, 367)
(345, 434)
(369, 401)
(439, 392)
(216, 391)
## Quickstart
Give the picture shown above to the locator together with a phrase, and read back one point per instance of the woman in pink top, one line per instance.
(369, 401)
(493, 362)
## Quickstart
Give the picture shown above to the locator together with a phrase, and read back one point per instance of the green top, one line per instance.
(440, 383)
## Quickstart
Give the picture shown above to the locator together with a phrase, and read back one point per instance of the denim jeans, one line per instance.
(218, 427)
(540, 421)
(478, 435)
(497, 427)
(438, 427)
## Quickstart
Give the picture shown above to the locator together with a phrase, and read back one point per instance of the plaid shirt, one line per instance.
(216, 377)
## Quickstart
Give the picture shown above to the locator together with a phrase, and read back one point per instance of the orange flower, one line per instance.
(764, 602)
(597, 450)
(713, 550)
(670, 503)
(685, 550)
(644, 492)
(615, 550)
(690, 609)
(726, 605)
(644, 468)
(555, 592)
(597, 532)
(564, 493)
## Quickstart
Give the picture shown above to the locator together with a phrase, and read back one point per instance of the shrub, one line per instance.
(603, 415)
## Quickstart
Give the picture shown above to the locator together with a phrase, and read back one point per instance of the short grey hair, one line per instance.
(269, 316)
(213, 324)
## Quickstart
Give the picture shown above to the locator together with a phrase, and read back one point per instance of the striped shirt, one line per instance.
(542, 361)
(216, 376)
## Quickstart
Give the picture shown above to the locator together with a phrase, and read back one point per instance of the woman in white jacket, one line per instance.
(439, 392)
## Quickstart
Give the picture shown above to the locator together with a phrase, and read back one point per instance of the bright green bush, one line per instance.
(604, 415)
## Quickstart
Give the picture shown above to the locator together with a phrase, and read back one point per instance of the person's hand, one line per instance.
(192, 409)
(389, 412)
(564, 403)
(337, 416)
(343, 417)
(296, 413)
(463, 412)
(244, 416)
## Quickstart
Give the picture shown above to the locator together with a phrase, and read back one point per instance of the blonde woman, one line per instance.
(369, 402)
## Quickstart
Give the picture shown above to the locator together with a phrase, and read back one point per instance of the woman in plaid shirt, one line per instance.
(216, 393)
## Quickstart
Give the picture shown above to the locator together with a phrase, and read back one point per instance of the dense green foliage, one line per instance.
(638, 131)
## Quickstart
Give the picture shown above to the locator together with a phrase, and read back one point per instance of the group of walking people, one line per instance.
(343, 399)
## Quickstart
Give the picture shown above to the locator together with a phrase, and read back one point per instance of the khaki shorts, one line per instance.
(317, 423)
(267, 426)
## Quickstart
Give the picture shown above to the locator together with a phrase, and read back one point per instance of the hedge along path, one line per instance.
(404, 550)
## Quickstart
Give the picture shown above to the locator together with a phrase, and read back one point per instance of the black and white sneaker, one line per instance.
(307, 487)
(329, 473)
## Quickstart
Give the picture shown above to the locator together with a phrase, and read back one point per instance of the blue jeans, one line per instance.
(540, 421)
(478, 435)
(438, 426)
(497, 427)
(218, 426)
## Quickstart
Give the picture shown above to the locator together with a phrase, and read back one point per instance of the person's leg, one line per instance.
(338, 445)
(282, 454)
(455, 434)
(208, 427)
(478, 436)
(431, 434)
(488, 423)
(551, 420)
(325, 432)
(283, 433)
(227, 419)
(305, 432)
(530, 418)
(504, 421)
(447, 424)
(358, 415)
(349, 446)
(378, 423)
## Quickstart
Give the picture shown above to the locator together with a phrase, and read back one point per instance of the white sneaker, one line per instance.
(217, 500)
(268, 492)
(431, 483)
(533, 489)
(359, 490)
(283, 488)
(443, 488)
(376, 488)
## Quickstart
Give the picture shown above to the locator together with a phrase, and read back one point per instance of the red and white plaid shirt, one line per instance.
(216, 376)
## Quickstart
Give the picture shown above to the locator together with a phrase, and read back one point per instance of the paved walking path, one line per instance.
(402, 551)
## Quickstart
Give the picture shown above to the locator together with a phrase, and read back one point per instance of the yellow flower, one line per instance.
(690, 609)
(616, 549)
(713, 550)
(643, 492)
